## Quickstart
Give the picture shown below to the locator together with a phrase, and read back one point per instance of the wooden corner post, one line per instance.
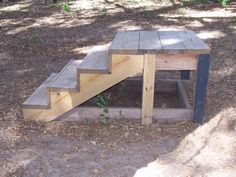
(201, 87)
(185, 74)
(148, 88)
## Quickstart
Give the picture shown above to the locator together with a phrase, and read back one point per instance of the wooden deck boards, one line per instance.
(149, 41)
(157, 42)
(125, 42)
(171, 43)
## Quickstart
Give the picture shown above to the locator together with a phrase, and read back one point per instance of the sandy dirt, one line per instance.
(37, 39)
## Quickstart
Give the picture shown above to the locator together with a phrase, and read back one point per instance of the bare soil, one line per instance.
(37, 39)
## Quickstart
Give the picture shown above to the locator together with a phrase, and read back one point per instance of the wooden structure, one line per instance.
(130, 53)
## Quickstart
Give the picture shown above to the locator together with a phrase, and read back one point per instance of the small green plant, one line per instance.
(102, 104)
(65, 7)
(33, 39)
(224, 2)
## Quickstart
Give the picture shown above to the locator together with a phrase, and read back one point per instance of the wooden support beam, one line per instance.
(83, 113)
(148, 88)
(182, 96)
(187, 61)
(201, 87)
(134, 84)
(185, 74)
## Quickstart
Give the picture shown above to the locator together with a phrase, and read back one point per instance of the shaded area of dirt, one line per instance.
(38, 39)
(125, 95)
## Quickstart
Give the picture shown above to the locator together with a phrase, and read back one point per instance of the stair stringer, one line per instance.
(91, 84)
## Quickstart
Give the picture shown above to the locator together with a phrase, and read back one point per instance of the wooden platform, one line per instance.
(157, 42)
(130, 53)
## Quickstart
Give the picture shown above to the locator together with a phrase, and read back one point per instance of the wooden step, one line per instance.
(66, 80)
(40, 98)
(95, 84)
(96, 61)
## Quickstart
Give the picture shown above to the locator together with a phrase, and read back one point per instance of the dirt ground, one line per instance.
(37, 39)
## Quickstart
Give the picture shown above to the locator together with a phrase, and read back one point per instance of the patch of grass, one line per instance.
(65, 7)
(33, 39)
(101, 102)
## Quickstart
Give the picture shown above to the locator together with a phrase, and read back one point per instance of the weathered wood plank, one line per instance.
(201, 87)
(185, 61)
(93, 114)
(198, 43)
(187, 40)
(182, 96)
(192, 42)
(171, 43)
(134, 84)
(67, 78)
(172, 114)
(125, 42)
(40, 97)
(148, 88)
(96, 61)
(149, 42)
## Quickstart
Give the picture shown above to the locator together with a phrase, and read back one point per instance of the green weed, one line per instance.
(101, 102)
(33, 39)
(65, 7)
(224, 2)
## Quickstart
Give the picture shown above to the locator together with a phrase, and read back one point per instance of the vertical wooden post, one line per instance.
(148, 88)
(185, 74)
(201, 87)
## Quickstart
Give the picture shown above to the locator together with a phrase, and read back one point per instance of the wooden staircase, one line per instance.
(130, 52)
(79, 81)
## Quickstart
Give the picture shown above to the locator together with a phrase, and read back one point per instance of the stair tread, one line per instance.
(39, 98)
(67, 77)
(96, 61)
